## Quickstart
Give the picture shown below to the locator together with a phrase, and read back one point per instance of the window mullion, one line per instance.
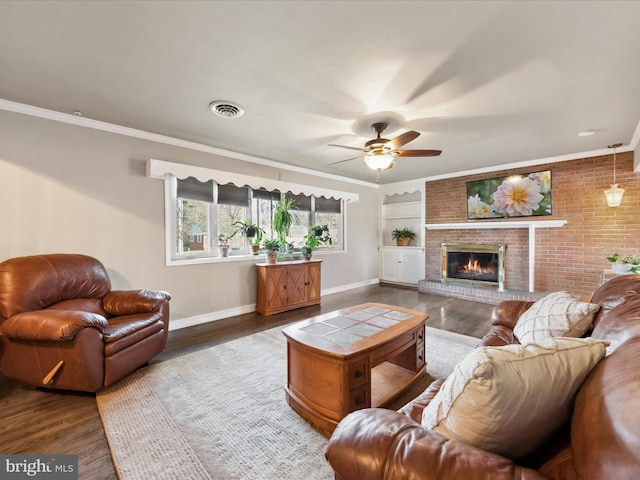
(213, 219)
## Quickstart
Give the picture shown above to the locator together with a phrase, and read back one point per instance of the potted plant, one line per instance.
(223, 244)
(626, 264)
(255, 245)
(272, 246)
(306, 251)
(246, 227)
(250, 230)
(283, 218)
(319, 229)
(402, 236)
(313, 240)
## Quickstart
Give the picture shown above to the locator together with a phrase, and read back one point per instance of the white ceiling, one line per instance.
(488, 83)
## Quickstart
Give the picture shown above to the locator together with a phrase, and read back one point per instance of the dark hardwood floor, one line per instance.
(51, 422)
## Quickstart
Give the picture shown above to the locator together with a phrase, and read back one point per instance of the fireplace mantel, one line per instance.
(531, 225)
(487, 225)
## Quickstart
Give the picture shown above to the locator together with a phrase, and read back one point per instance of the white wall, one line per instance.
(67, 188)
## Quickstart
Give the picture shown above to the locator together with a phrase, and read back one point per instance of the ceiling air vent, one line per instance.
(226, 109)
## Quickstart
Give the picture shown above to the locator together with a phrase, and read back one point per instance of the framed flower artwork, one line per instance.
(523, 195)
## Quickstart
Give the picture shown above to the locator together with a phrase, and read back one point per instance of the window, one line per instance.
(205, 214)
(192, 210)
(232, 206)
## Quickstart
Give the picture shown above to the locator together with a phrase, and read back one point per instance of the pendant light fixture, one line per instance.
(614, 194)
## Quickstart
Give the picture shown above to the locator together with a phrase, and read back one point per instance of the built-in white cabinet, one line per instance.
(402, 264)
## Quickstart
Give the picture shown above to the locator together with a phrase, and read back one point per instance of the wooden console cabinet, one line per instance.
(287, 285)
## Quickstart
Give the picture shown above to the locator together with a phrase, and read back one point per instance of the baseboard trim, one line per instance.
(351, 286)
(232, 312)
(210, 317)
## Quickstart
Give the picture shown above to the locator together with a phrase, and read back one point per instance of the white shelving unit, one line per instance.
(402, 206)
(401, 215)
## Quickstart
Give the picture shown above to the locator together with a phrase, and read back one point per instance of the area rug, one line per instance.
(221, 413)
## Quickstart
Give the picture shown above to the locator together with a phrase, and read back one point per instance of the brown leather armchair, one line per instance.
(600, 442)
(62, 327)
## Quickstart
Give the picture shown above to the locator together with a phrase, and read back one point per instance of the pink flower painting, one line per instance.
(514, 196)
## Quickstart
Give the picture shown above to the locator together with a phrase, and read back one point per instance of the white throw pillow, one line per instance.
(556, 315)
(510, 399)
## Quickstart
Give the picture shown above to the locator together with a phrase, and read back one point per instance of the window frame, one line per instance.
(172, 258)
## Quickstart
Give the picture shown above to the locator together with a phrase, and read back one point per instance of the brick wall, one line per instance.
(570, 258)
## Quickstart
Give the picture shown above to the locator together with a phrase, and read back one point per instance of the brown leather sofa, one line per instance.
(62, 327)
(601, 441)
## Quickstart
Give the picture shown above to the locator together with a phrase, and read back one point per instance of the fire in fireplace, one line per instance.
(473, 263)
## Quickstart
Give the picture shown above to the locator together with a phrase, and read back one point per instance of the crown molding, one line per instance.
(176, 142)
(154, 137)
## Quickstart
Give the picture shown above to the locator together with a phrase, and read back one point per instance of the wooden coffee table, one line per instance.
(359, 357)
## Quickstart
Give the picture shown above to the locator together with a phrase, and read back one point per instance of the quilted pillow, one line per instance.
(510, 399)
(556, 315)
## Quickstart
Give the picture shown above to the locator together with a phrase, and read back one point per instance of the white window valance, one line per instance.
(159, 168)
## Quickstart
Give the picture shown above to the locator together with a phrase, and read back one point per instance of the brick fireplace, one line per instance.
(516, 261)
(571, 258)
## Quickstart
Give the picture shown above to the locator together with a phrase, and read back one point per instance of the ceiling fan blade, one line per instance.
(401, 139)
(347, 160)
(345, 146)
(417, 153)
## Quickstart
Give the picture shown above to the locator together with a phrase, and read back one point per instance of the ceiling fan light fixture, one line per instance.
(379, 161)
(380, 153)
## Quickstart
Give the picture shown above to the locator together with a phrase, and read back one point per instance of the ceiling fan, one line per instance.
(379, 153)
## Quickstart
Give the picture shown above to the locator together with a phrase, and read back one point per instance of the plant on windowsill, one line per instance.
(317, 235)
(223, 244)
(626, 264)
(272, 246)
(402, 236)
(255, 245)
(283, 218)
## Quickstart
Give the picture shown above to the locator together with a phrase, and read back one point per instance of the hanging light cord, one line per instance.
(614, 146)
(614, 164)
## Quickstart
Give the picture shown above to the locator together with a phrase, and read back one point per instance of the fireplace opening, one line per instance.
(481, 264)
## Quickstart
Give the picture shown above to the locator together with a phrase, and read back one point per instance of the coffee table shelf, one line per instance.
(389, 381)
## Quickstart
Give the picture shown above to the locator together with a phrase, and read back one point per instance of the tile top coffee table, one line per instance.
(358, 357)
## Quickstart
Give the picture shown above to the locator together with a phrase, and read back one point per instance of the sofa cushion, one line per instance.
(605, 421)
(620, 324)
(556, 315)
(510, 399)
(615, 292)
